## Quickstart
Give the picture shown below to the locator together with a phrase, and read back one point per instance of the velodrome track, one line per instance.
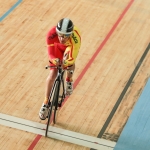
(112, 68)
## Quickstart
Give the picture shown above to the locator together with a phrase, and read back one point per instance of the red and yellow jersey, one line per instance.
(69, 50)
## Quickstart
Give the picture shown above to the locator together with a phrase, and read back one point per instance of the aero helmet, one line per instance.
(64, 26)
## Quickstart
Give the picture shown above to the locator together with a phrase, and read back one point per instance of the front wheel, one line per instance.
(56, 97)
(52, 105)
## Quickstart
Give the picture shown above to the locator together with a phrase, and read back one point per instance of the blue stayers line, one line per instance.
(10, 10)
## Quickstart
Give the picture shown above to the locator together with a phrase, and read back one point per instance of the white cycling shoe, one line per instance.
(69, 88)
(43, 113)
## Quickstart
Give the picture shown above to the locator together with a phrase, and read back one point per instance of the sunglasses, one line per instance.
(63, 35)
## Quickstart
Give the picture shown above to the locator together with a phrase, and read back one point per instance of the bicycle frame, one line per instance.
(53, 101)
(59, 78)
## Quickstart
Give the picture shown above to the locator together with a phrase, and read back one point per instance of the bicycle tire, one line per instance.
(57, 91)
(51, 106)
(60, 96)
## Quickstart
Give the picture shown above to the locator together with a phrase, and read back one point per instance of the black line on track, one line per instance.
(123, 93)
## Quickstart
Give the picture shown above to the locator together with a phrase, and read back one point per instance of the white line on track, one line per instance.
(56, 133)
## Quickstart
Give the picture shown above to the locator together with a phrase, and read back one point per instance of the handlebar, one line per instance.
(57, 67)
(52, 67)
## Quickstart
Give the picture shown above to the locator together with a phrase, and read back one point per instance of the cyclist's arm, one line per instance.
(51, 50)
(50, 39)
(73, 49)
(70, 55)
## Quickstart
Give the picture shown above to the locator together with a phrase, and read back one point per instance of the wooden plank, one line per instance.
(23, 56)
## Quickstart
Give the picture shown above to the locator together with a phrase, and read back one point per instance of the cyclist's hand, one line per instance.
(56, 61)
(64, 67)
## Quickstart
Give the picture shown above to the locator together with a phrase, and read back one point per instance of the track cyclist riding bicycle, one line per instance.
(63, 43)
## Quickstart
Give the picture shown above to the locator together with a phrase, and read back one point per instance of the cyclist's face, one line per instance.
(63, 38)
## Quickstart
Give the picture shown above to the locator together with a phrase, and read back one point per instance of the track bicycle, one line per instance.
(56, 96)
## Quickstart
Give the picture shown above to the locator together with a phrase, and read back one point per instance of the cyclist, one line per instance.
(63, 42)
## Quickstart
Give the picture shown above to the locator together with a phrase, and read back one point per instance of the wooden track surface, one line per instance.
(23, 56)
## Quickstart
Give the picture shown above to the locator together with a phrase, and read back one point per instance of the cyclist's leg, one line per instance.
(69, 79)
(53, 72)
(70, 71)
(49, 83)
(53, 52)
